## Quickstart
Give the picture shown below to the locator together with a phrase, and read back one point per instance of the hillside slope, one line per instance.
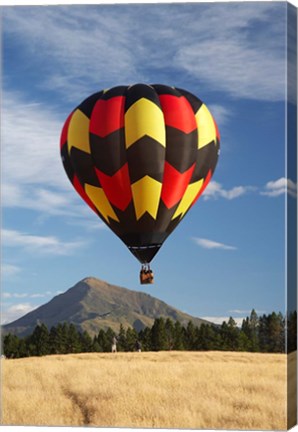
(93, 304)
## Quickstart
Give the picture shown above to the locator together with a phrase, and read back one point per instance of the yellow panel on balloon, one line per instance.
(99, 199)
(146, 195)
(144, 118)
(188, 197)
(78, 132)
(206, 126)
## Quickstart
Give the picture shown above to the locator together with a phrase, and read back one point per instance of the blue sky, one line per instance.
(228, 255)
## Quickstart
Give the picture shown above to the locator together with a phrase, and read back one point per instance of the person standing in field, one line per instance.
(114, 345)
(138, 346)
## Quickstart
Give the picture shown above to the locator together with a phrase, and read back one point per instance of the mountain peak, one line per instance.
(93, 304)
(91, 280)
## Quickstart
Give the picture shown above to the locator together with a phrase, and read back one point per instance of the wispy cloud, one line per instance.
(221, 113)
(40, 244)
(234, 60)
(46, 200)
(30, 149)
(272, 188)
(32, 171)
(10, 312)
(279, 187)
(242, 314)
(211, 244)
(216, 190)
(220, 319)
(244, 311)
(16, 311)
(240, 311)
(88, 224)
(241, 58)
(9, 295)
(9, 270)
(242, 72)
(85, 46)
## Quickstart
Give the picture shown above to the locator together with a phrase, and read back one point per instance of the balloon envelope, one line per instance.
(140, 156)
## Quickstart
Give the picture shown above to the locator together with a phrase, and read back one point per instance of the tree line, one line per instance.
(266, 333)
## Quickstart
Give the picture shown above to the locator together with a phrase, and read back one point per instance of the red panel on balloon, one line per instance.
(174, 184)
(178, 113)
(107, 116)
(117, 187)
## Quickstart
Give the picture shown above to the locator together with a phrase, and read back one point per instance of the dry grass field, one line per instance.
(211, 390)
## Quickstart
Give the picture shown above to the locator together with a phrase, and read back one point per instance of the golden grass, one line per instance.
(210, 390)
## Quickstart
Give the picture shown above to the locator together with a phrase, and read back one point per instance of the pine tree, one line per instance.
(11, 346)
(57, 339)
(272, 333)
(145, 339)
(122, 344)
(73, 342)
(244, 343)
(95, 345)
(254, 331)
(102, 341)
(86, 342)
(276, 330)
(170, 334)
(178, 336)
(190, 335)
(233, 334)
(230, 335)
(110, 334)
(208, 338)
(131, 339)
(158, 335)
(40, 341)
(250, 329)
(263, 334)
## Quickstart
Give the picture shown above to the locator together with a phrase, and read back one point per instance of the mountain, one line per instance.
(93, 304)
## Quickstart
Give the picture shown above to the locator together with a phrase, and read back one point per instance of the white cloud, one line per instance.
(244, 56)
(216, 190)
(210, 244)
(240, 311)
(33, 176)
(221, 113)
(87, 48)
(9, 270)
(30, 146)
(40, 244)
(16, 311)
(88, 224)
(233, 66)
(32, 172)
(244, 313)
(237, 58)
(9, 295)
(45, 200)
(220, 319)
(279, 187)
(247, 312)
(272, 189)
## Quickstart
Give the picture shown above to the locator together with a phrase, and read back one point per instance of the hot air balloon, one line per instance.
(140, 156)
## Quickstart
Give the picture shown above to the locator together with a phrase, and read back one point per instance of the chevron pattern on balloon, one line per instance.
(140, 156)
